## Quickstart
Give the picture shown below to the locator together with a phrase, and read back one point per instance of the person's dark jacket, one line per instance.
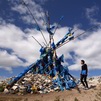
(84, 69)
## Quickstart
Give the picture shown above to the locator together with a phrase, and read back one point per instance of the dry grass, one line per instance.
(57, 98)
(76, 99)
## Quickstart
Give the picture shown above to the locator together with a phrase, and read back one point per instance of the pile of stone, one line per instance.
(33, 83)
(94, 80)
(3, 84)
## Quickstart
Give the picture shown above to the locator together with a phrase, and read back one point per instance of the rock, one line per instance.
(57, 88)
(6, 91)
(27, 79)
(32, 83)
(15, 87)
(22, 90)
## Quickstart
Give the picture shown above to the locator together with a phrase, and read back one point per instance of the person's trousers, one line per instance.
(84, 80)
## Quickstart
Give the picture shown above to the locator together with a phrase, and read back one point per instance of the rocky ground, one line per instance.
(93, 94)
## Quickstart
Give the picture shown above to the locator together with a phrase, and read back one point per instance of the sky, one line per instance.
(18, 49)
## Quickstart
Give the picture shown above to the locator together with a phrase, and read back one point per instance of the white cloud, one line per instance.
(23, 45)
(89, 50)
(9, 69)
(2, 78)
(2, 21)
(9, 60)
(13, 38)
(91, 14)
(35, 9)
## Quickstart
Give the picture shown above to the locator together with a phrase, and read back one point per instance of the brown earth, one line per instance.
(93, 94)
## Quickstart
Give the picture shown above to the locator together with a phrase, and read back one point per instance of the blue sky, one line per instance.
(18, 50)
(73, 10)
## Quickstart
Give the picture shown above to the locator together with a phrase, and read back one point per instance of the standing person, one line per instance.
(84, 73)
